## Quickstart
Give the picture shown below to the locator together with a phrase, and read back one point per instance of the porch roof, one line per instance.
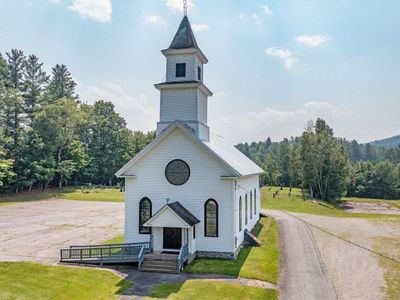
(172, 215)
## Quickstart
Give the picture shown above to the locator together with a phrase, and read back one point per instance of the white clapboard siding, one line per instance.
(178, 104)
(199, 64)
(191, 67)
(245, 186)
(205, 182)
(202, 107)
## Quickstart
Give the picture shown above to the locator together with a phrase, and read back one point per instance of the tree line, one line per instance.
(327, 166)
(48, 137)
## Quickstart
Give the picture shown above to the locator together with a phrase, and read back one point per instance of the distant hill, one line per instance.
(387, 143)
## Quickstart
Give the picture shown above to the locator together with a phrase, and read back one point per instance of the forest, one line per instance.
(49, 137)
(318, 161)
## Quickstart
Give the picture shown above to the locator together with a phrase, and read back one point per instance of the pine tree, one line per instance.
(14, 73)
(62, 85)
(35, 80)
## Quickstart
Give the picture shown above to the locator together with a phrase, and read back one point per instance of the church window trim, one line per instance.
(199, 75)
(180, 70)
(255, 201)
(240, 213)
(210, 229)
(251, 205)
(145, 214)
(246, 210)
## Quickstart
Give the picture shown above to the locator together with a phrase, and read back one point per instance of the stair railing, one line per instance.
(183, 253)
(141, 257)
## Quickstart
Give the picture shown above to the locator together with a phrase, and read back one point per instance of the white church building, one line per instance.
(187, 188)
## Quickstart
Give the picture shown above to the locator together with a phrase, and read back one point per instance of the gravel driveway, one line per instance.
(315, 264)
(302, 273)
(36, 231)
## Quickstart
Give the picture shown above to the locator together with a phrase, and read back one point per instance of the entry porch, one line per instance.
(173, 232)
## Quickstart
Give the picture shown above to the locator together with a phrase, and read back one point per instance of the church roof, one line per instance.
(231, 158)
(183, 213)
(236, 159)
(180, 217)
(184, 38)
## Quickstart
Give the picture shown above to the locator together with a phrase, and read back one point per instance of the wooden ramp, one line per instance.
(105, 254)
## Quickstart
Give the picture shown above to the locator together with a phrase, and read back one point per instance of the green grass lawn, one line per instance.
(296, 203)
(72, 193)
(117, 240)
(390, 247)
(34, 281)
(210, 290)
(257, 263)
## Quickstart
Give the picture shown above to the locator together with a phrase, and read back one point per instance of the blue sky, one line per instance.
(274, 64)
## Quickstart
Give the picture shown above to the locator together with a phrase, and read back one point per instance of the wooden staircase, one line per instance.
(160, 263)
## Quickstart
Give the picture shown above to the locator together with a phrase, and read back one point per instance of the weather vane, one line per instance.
(185, 7)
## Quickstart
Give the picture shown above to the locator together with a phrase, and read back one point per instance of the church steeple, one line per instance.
(184, 38)
(184, 97)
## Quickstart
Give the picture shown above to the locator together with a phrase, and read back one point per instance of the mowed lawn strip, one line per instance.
(35, 281)
(73, 193)
(260, 263)
(296, 203)
(210, 290)
(117, 240)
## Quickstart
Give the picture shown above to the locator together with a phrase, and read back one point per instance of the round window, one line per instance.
(177, 172)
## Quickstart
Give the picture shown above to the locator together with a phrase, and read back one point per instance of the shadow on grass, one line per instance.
(164, 291)
(46, 194)
(224, 266)
(123, 286)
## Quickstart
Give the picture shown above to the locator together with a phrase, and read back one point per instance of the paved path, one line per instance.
(302, 272)
(35, 231)
(143, 282)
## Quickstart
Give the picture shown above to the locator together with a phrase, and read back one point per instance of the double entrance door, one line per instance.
(172, 238)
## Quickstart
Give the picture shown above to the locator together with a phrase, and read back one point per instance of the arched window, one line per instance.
(211, 218)
(240, 213)
(251, 205)
(144, 215)
(255, 201)
(246, 210)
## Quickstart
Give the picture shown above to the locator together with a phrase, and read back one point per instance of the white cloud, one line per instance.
(199, 27)
(267, 10)
(278, 124)
(285, 55)
(97, 10)
(177, 5)
(139, 112)
(55, 1)
(312, 40)
(154, 19)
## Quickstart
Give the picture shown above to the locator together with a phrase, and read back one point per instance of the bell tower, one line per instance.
(184, 97)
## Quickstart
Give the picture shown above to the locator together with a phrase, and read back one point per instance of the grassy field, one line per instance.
(390, 247)
(34, 281)
(296, 203)
(75, 193)
(117, 240)
(210, 290)
(257, 263)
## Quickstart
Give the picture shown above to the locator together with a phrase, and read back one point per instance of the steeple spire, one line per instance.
(185, 8)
